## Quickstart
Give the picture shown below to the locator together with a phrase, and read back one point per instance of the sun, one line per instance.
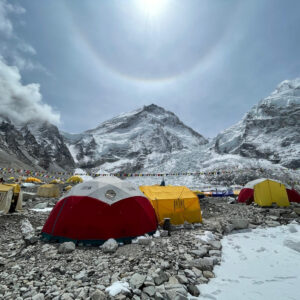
(151, 8)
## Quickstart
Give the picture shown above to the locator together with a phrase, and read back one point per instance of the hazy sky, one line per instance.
(207, 61)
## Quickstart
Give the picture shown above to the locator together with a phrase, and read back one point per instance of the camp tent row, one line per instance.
(265, 192)
(96, 210)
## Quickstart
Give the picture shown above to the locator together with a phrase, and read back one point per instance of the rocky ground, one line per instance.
(159, 267)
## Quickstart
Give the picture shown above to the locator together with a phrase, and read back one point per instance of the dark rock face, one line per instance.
(37, 144)
(129, 139)
(271, 130)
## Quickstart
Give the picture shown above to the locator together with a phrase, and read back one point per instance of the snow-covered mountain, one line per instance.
(34, 145)
(265, 143)
(270, 130)
(125, 143)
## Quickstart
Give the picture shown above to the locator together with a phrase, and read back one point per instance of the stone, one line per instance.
(203, 264)
(110, 246)
(28, 232)
(182, 279)
(193, 290)
(160, 278)
(82, 274)
(297, 210)
(137, 280)
(188, 225)
(66, 296)
(164, 233)
(208, 274)
(158, 296)
(98, 295)
(149, 290)
(215, 253)
(173, 280)
(216, 245)
(144, 241)
(200, 252)
(66, 247)
(41, 205)
(38, 297)
(240, 223)
(272, 223)
(229, 228)
(172, 290)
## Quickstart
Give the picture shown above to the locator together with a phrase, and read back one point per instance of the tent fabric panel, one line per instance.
(278, 193)
(262, 194)
(246, 196)
(175, 202)
(5, 200)
(48, 191)
(192, 211)
(293, 195)
(85, 218)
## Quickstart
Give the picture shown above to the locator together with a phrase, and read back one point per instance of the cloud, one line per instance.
(6, 26)
(13, 48)
(21, 103)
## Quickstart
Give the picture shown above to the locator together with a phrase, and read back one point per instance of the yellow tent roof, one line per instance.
(56, 181)
(156, 192)
(33, 179)
(5, 187)
(75, 179)
(17, 187)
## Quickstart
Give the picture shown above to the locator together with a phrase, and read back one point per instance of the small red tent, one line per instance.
(96, 210)
(293, 195)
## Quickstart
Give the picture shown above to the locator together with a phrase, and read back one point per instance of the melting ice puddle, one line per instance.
(264, 264)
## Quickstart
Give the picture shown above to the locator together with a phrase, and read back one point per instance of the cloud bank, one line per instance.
(21, 103)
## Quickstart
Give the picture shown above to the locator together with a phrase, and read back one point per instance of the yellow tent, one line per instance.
(48, 191)
(10, 198)
(267, 192)
(55, 181)
(175, 202)
(33, 179)
(236, 192)
(74, 179)
(67, 188)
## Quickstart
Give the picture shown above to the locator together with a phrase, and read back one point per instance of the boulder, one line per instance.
(193, 290)
(160, 278)
(240, 223)
(28, 232)
(203, 264)
(137, 280)
(66, 247)
(98, 295)
(110, 246)
(39, 296)
(144, 241)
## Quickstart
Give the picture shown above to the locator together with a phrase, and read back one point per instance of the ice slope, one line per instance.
(271, 129)
(261, 264)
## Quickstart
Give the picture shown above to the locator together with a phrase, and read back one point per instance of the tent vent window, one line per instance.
(110, 194)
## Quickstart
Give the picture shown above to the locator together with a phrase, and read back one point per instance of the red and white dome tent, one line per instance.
(97, 210)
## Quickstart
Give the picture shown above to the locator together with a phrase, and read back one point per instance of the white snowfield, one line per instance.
(261, 264)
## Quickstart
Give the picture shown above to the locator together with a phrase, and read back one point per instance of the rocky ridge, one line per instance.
(33, 145)
(270, 130)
